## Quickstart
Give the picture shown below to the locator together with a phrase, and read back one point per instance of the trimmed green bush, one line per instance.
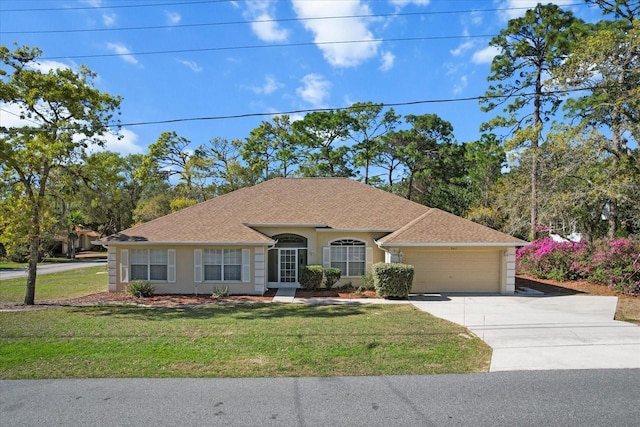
(310, 277)
(368, 283)
(140, 289)
(392, 280)
(332, 275)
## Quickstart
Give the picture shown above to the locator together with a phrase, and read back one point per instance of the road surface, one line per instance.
(51, 268)
(525, 398)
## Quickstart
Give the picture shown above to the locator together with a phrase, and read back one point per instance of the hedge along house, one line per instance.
(259, 237)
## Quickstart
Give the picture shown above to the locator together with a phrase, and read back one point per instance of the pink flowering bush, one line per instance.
(614, 263)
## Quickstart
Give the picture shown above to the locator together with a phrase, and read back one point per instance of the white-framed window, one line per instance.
(349, 256)
(222, 264)
(149, 264)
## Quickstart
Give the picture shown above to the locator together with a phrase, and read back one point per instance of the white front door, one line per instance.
(288, 265)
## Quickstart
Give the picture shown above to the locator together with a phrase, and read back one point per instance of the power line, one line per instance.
(122, 6)
(260, 21)
(312, 110)
(302, 44)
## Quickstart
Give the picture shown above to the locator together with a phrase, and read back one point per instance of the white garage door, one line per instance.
(454, 270)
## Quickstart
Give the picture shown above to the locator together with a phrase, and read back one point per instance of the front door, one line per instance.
(288, 265)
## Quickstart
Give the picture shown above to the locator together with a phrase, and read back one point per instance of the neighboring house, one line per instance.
(258, 237)
(83, 240)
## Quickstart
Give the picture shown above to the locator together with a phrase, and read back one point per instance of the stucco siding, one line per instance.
(185, 280)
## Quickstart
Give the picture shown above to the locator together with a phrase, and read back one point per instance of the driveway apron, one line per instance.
(543, 332)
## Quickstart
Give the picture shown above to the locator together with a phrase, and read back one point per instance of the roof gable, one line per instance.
(339, 203)
(336, 203)
(439, 227)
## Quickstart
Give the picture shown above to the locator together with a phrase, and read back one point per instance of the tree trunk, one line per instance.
(534, 196)
(612, 219)
(34, 254)
(410, 186)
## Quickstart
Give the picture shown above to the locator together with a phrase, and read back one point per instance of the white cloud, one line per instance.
(518, 8)
(486, 55)
(194, 66)
(337, 31)
(270, 85)
(388, 59)
(108, 19)
(459, 87)
(123, 51)
(173, 18)
(403, 3)
(93, 3)
(46, 66)
(314, 89)
(10, 117)
(462, 48)
(261, 12)
(123, 146)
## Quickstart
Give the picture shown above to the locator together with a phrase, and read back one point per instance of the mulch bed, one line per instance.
(548, 287)
(172, 300)
(554, 287)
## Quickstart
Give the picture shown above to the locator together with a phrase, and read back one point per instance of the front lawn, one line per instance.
(234, 340)
(64, 285)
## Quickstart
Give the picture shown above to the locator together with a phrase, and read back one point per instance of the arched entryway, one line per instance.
(285, 259)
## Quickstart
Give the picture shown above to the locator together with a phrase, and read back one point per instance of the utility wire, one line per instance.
(312, 110)
(260, 21)
(122, 6)
(211, 49)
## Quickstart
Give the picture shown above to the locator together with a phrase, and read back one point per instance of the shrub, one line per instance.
(614, 263)
(392, 280)
(332, 275)
(220, 292)
(310, 277)
(367, 282)
(140, 289)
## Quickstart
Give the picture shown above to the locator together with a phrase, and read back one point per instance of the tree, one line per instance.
(368, 126)
(320, 132)
(110, 190)
(529, 48)
(170, 155)
(624, 9)
(606, 69)
(485, 160)
(272, 144)
(418, 147)
(74, 219)
(62, 114)
(227, 171)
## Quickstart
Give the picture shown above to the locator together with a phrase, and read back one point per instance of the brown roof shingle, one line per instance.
(338, 203)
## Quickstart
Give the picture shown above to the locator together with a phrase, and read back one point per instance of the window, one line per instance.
(222, 264)
(349, 256)
(149, 264)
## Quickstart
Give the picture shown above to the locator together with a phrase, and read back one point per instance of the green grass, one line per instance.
(67, 284)
(234, 340)
(9, 265)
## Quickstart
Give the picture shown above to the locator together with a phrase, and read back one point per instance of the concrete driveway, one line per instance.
(543, 332)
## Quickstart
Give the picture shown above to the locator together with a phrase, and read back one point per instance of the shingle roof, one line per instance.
(436, 226)
(338, 203)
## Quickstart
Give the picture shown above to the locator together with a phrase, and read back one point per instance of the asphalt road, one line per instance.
(51, 268)
(527, 398)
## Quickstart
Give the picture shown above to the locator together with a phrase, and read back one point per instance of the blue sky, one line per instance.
(222, 58)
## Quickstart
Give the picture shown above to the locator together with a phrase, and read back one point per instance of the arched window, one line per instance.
(349, 256)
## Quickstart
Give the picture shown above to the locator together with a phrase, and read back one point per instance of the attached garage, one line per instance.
(455, 269)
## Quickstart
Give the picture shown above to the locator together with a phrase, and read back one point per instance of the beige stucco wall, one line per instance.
(185, 281)
(479, 269)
